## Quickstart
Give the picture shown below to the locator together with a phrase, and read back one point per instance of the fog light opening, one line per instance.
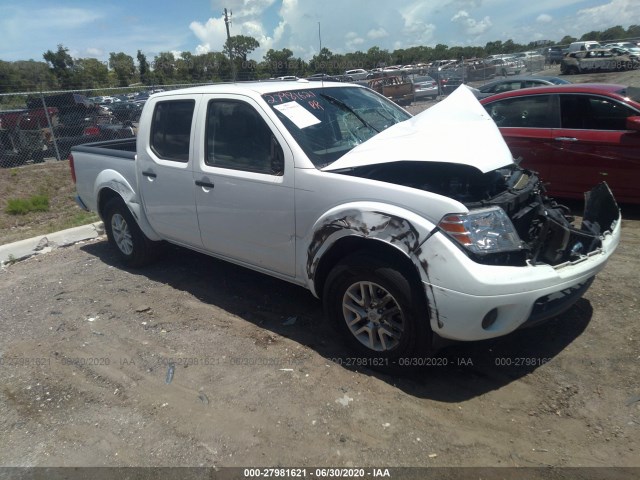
(489, 319)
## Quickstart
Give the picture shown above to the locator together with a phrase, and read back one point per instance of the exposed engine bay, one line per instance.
(547, 229)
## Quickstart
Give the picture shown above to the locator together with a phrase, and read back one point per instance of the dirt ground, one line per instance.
(196, 362)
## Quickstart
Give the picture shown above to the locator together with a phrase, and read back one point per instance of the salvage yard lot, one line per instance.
(193, 361)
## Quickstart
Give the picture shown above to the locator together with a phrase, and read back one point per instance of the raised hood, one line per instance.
(456, 130)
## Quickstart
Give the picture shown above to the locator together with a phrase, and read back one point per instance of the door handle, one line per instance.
(149, 174)
(200, 183)
(566, 139)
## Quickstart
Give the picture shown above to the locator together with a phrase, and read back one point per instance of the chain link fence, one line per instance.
(43, 126)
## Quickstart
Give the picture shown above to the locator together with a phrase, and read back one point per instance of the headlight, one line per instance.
(487, 230)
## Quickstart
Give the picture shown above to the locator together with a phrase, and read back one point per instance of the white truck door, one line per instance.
(165, 176)
(244, 179)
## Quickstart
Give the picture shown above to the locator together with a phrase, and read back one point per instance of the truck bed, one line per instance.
(123, 148)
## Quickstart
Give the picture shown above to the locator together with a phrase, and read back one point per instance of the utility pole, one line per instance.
(227, 22)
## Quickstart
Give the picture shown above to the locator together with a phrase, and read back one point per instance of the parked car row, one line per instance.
(34, 133)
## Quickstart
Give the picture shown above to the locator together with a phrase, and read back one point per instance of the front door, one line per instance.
(244, 185)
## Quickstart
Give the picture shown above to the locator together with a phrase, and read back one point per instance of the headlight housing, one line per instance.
(483, 231)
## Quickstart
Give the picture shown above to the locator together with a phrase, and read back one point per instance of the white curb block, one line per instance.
(22, 249)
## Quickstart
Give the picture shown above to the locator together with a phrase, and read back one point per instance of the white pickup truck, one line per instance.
(408, 228)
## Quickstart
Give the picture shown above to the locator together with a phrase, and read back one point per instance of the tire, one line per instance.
(132, 246)
(396, 329)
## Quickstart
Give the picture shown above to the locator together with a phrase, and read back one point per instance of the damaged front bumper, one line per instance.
(472, 301)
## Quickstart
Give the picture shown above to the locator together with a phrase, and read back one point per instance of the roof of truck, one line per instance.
(266, 86)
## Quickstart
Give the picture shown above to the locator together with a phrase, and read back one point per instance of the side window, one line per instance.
(506, 87)
(535, 111)
(593, 113)
(238, 138)
(171, 129)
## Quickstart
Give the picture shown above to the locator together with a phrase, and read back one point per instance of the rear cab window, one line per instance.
(171, 129)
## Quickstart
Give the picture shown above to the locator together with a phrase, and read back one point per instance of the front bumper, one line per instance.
(462, 292)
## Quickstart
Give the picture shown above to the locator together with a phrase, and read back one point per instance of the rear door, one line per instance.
(593, 145)
(165, 177)
(244, 181)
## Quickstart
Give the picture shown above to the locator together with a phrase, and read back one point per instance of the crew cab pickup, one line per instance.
(408, 228)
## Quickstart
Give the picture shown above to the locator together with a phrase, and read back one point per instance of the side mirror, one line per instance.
(277, 157)
(633, 123)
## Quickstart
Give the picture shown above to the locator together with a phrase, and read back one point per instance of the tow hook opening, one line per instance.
(489, 319)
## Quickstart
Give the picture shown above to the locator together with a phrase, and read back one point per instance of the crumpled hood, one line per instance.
(456, 130)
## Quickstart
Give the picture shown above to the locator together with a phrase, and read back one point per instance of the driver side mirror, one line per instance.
(633, 123)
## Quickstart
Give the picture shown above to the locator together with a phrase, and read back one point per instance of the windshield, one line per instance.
(328, 122)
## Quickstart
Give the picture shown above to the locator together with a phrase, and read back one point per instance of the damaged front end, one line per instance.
(522, 225)
(511, 220)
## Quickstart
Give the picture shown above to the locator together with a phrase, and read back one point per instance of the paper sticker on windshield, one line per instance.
(295, 112)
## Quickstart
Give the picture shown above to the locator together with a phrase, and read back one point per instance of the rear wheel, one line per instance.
(131, 244)
(381, 313)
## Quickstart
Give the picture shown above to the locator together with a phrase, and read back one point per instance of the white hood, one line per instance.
(456, 130)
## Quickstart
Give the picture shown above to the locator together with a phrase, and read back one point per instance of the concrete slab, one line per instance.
(22, 249)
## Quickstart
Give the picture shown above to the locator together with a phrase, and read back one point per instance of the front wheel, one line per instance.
(378, 309)
(131, 244)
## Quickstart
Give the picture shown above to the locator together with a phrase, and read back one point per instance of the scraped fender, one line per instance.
(112, 180)
(398, 227)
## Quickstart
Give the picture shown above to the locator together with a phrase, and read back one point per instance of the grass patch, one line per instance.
(22, 206)
(51, 180)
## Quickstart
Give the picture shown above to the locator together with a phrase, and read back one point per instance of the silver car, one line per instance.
(423, 87)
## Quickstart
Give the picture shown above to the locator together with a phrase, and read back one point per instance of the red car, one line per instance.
(574, 135)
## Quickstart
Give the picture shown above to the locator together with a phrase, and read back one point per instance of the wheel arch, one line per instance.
(107, 193)
(353, 244)
(386, 231)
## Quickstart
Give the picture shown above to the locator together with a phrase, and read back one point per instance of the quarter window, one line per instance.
(171, 129)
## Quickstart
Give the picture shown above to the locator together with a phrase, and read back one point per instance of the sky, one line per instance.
(28, 28)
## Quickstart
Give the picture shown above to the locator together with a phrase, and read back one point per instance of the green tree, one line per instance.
(441, 51)
(146, 76)
(124, 68)
(511, 47)
(241, 46)
(185, 67)
(61, 64)
(211, 66)
(378, 58)
(279, 63)
(567, 39)
(355, 60)
(592, 35)
(613, 33)
(164, 68)
(323, 62)
(633, 31)
(91, 73)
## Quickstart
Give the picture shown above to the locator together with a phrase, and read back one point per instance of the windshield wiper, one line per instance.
(344, 106)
